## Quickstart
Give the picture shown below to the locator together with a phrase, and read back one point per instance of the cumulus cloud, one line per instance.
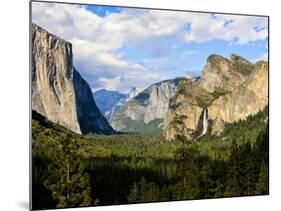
(108, 70)
(98, 41)
(233, 28)
(137, 79)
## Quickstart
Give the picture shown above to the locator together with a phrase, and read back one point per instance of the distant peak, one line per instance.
(107, 91)
(133, 92)
(136, 89)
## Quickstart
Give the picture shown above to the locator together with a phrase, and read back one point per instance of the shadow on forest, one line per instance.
(111, 180)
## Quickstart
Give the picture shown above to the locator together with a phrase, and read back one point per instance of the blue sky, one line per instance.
(118, 48)
(102, 11)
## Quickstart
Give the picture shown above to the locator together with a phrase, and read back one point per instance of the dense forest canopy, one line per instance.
(73, 170)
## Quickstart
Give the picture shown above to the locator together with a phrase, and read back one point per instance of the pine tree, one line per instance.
(250, 175)
(187, 171)
(67, 179)
(134, 194)
(233, 168)
(262, 184)
(185, 158)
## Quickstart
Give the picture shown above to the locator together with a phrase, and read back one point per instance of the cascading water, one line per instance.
(204, 123)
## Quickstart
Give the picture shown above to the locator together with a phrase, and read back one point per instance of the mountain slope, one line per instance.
(58, 91)
(147, 109)
(133, 92)
(229, 90)
(106, 100)
(243, 101)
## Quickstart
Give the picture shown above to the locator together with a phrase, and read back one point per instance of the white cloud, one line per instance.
(109, 70)
(110, 83)
(132, 26)
(237, 29)
(121, 83)
(98, 41)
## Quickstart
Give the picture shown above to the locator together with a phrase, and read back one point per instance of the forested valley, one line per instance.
(70, 170)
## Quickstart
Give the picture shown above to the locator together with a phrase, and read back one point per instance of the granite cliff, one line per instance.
(228, 90)
(146, 109)
(58, 90)
(223, 73)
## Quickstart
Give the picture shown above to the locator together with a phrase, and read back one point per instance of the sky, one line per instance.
(118, 48)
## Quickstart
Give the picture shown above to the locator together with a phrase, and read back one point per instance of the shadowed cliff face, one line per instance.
(58, 91)
(230, 89)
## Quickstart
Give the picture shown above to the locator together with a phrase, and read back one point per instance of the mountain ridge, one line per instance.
(228, 90)
(226, 94)
(106, 100)
(149, 105)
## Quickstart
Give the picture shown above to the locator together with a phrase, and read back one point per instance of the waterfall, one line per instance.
(204, 123)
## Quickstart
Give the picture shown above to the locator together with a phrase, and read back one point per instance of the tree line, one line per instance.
(71, 170)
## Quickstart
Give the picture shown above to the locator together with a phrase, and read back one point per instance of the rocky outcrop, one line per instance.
(133, 92)
(149, 105)
(243, 101)
(229, 90)
(58, 91)
(187, 104)
(222, 73)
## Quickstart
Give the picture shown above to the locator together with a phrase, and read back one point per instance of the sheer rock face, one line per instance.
(191, 113)
(58, 91)
(158, 101)
(221, 73)
(247, 99)
(185, 104)
(133, 92)
(230, 89)
(148, 105)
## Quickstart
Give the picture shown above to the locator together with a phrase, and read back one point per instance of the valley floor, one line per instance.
(70, 170)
